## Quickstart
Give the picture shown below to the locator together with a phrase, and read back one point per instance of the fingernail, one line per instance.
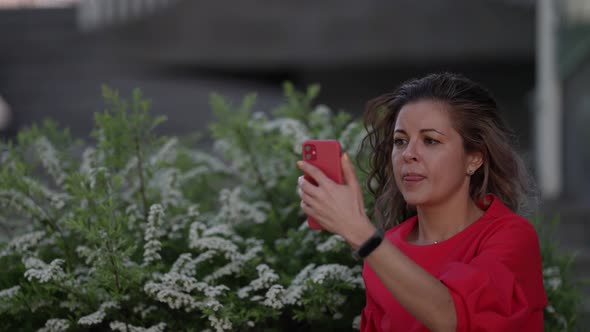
(300, 163)
(346, 156)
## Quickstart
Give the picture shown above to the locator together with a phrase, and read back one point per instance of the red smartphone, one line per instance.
(324, 154)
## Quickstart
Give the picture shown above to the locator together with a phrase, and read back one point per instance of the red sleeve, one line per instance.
(501, 288)
(369, 316)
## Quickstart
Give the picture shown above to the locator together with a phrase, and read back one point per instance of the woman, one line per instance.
(455, 257)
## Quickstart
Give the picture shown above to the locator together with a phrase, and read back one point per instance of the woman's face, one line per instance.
(429, 162)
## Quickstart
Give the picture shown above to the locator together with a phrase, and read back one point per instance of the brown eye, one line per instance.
(399, 141)
(430, 141)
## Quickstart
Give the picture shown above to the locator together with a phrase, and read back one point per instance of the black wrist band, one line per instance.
(371, 244)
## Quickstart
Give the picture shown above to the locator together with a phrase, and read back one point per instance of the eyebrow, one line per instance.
(421, 131)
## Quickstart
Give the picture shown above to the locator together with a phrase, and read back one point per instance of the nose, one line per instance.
(410, 153)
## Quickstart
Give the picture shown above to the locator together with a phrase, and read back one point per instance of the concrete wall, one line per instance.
(271, 34)
(577, 133)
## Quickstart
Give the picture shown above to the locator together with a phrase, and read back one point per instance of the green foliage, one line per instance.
(561, 287)
(146, 233)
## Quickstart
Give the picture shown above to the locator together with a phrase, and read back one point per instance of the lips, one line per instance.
(413, 177)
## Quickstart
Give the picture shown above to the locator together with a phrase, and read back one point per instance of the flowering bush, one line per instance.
(136, 232)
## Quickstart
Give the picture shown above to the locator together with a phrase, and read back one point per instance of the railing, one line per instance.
(97, 14)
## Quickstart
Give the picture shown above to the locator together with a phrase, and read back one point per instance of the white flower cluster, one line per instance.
(8, 293)
(26, 242)
(356, 323)
(333, 243)
(266, 277)
(221, 229)
(166, 153)
(295, 290)
(220, 325)
(239, 160)
(257, 118)
(96, 174)
(215, 243)
(552, 277)
(122, 327)
(193, 173)
(236, 264)
(152, 245)
(219, 238)
(16, 200)
(247, 166)
(186, 265)
(352, 137)
(88, 160)
(98, 316)
(562, 321)
(195, 231)
(291, 128)
(48, 155)
(318, 275)
(132, 179)
(57, 200)
(143, 310)
(213, 164)
(88, 254)
(37, 269)
(274, 169)
(175, 290)
(168, 184)
(320, 118)
(234, 210)
(338, 272)
(274, 297)
(175, 228)
(55, 325)
(215, 291)
(133, 215)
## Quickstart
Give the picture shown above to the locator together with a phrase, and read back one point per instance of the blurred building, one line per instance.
(53, 61)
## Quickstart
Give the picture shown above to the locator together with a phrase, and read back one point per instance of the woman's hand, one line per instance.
(339, 208)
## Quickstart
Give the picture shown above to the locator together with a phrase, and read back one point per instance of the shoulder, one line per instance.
(512, 239)
(505, 222)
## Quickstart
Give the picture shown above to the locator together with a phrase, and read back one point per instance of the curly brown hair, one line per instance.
(474, 114)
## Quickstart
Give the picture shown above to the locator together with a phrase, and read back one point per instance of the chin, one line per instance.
(414, 199)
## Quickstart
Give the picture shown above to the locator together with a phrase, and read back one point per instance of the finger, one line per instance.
(307, 209)
(310, 211)
(308, 188)
(314, 172)
(307, 199)
(348, 172)
(351, 179)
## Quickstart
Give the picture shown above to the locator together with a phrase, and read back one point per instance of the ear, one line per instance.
(474, 161)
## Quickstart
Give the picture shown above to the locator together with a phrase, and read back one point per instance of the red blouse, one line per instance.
(492, 268)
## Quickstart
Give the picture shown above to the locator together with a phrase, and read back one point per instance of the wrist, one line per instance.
(372, 243)
(361, 234)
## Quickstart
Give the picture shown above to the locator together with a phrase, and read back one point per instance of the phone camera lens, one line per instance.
(307, 148)
(307, 156)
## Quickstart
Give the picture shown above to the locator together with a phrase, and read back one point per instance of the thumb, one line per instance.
(348, 171)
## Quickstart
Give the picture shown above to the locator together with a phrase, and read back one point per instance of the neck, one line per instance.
(439, 222)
